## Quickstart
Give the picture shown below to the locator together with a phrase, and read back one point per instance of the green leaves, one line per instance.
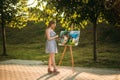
(14, 13)
(85, 1)
(80, 11)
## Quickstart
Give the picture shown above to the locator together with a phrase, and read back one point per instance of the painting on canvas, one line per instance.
(69, 38)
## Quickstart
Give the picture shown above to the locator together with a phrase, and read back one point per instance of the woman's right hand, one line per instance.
(56, 36)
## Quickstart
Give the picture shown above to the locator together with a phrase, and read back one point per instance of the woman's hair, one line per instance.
(50, 23)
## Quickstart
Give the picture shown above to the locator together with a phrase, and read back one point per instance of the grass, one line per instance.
(29, 44)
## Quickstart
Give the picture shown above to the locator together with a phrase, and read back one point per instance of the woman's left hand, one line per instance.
(58, 39)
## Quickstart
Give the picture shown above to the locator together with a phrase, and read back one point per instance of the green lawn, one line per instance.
(29, 44)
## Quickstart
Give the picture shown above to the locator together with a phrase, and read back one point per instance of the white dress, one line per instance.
(51, 45)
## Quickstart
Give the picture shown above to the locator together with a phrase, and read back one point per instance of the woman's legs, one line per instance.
(53, 63)
(49, 62)
(53, 60)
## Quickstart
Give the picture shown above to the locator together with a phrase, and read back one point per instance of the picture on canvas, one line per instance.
(69, 38)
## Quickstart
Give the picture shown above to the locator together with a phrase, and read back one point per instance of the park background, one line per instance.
(28, 42)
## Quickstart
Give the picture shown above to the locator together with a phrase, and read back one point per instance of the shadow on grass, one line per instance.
(8, 57)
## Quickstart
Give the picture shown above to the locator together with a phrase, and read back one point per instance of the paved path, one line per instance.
(39, 72)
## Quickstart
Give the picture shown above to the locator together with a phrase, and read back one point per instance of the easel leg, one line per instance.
(72, 60)
(62, 55)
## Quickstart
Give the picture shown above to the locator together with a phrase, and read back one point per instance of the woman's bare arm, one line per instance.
(48, 35)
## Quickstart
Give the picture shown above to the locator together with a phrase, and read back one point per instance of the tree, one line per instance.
(43, 11)
(80, 12)
(77, 12)
(12, 14)
(112, 12)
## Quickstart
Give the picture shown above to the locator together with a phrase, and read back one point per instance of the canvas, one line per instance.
(69, 38)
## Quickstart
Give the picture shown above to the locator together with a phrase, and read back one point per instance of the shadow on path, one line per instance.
(72, 77)
(46, 76)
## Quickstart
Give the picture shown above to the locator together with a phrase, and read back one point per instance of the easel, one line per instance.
(72, 59)
(64, 51)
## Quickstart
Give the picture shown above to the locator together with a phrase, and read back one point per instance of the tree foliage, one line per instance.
(79, 12)
(13, 12)
(112, 12)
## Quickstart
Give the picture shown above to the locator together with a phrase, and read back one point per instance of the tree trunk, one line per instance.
(95, 41)
(3, 32)
(3, 40)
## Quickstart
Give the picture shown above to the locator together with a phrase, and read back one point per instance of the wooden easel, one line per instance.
(71, 54)
(72, 59)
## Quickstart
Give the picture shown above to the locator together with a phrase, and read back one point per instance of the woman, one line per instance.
(51, 46)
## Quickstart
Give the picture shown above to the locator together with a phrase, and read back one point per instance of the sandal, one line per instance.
(49, 71)
(55, 71)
